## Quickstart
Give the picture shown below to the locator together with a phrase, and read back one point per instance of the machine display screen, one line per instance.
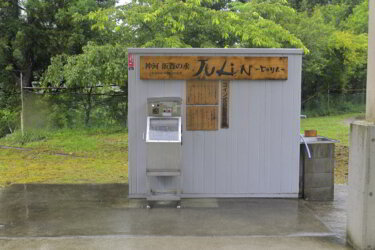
(163, 129)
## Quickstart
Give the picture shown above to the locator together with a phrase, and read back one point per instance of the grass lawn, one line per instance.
(66, 156)
(335, 127)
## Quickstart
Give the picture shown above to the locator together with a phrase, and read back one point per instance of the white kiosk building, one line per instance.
(240, 116)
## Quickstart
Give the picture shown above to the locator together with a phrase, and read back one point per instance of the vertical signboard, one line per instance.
(225, 104)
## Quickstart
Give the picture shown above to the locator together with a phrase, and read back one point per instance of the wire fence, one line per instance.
(334, 103)
(56, 108)
(74, 109)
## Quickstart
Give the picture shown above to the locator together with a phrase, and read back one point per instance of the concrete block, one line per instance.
(318, 180)
(317, 173)
(361, 199)
(326, 150)
(320, 165)
(319, 194)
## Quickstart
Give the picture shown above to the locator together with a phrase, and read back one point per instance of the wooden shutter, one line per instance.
(202, 117)
(202, 93)
(202, 99)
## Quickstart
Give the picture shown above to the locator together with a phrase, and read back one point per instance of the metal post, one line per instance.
(370, 94)
(22, 106)
(329, 112)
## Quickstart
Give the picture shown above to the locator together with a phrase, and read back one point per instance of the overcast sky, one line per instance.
(120, 2)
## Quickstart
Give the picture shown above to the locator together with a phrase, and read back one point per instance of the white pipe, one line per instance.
(307, 146)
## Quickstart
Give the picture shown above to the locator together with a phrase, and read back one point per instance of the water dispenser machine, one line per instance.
(163, 139)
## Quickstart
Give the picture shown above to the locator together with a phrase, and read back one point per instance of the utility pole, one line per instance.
(22, 106)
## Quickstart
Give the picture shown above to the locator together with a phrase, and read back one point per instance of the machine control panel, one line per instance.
(164, 107)
(164, 119)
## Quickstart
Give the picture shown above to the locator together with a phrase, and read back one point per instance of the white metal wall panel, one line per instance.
(257, 156)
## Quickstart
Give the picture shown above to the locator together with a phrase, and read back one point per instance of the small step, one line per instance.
(164, 197)
(164, 191)
(163, 172)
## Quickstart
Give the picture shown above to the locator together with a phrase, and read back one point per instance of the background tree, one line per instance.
(191, 23)
(337, 62)
(96, 71)
(357, 22)
(36, 30)
(33, 31)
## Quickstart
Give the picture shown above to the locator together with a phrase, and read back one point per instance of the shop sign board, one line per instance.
(213, 68)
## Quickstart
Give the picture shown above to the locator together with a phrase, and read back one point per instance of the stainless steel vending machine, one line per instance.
(163, 139)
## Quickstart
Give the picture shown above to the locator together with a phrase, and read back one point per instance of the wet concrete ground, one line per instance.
(332, 213)
(102, 217)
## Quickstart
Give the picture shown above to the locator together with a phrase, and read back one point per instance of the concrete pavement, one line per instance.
(102, 217)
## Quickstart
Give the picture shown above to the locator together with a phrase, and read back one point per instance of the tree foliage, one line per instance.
(96, 70)
(337, 62)
(97, 65)
(357, 22)
(32, 32)
(191, 23)
(35, 30)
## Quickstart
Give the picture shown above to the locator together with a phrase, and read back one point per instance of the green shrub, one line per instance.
(17, 138)
(9, 121)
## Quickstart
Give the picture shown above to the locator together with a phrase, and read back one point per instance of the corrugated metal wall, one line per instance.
(257, 156)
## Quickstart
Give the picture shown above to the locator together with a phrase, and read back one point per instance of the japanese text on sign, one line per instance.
(213, 68)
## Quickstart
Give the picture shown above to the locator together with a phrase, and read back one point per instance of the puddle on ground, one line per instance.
(199, 203)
